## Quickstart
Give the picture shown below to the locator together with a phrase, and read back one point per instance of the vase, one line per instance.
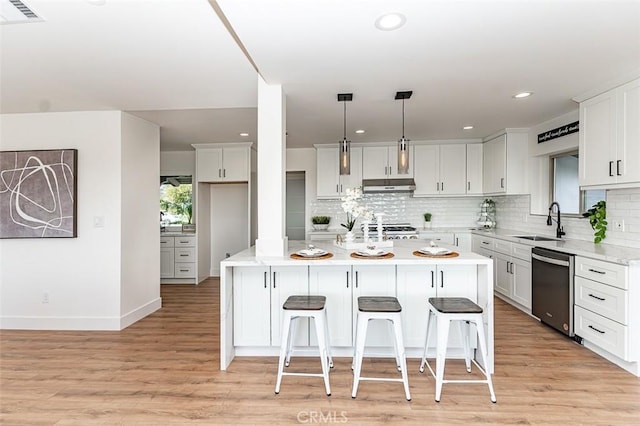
(349, 237)
(427, 224)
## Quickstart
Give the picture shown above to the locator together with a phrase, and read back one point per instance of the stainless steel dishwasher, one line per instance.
(552, 288)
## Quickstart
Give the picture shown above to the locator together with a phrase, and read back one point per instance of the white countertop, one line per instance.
(602, 251)
(402, 250)
(177, 234)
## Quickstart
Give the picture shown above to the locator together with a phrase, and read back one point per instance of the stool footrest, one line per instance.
(381, 379)
(286, 373)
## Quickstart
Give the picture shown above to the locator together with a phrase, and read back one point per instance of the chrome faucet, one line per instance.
(559, 231)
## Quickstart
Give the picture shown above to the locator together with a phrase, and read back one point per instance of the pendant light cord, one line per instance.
(345, 120)
(403, 118)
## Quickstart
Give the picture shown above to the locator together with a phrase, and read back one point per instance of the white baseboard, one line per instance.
(80, 323)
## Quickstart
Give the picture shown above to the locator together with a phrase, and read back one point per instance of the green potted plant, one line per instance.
(320, 223)
(598, 219)
(427, 220)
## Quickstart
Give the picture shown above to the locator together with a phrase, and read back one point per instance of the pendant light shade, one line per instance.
(403, 143)
(345, 145)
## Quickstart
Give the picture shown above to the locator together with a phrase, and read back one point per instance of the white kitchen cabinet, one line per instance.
(374, 280)
(603, 313)
(504, 165)
(608, 138)
(251, 306)
(512, 268)
(223, 162)
(167, 262)
(381, 162)
(417, 283)
(439, 169)
(335, 283)
(446, 238)
(474, 169)
(285, 282)
(329, 183)
(462, 240)
(177, 257)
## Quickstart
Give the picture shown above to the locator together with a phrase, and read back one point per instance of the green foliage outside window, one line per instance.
(176, 203)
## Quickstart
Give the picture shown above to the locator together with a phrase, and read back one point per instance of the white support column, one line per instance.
(272, 121)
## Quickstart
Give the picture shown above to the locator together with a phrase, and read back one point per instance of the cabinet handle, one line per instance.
(442, 186)
(347, 279)
(385, 170)
(184, 255)
(437, 186)
(486, 242)
(593, 328)
(274, 280)
(596, 297)
(337, 188)
(457, 242)
(597, 272)
(219, 172)
(502, 183)
(265, 279)
(618, 167)
(341, 188)
(356, 279)
(432, 280)
(184, 270)
(468, 186)
(224, 172)
(441, 279)
(610, 165)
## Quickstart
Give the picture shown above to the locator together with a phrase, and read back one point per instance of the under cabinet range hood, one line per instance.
(388, 185)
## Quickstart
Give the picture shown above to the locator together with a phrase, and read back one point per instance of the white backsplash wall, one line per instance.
(512, 212)
(399, 207)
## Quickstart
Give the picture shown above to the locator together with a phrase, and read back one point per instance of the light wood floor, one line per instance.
(164, 370)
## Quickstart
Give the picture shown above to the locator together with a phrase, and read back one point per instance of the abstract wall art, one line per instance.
(38, 192)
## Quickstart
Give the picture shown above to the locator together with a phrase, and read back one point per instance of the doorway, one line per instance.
(295, 205)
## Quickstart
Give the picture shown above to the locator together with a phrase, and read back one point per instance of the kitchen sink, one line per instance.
(535, 238)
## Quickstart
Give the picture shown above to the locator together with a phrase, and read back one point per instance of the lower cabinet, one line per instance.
(178, 257)
(251, 306)
(416, 284)
(259, 293)
(287, 281)
(335, 283)
(512, 268)
(167, 264)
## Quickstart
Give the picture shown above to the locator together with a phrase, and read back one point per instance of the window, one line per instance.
(565, 187)
(176, 205)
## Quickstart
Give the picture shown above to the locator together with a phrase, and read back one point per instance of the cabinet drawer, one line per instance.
(607, 334)
(502, 246)
(602, 299)
(185, 270)
(166, 241)
(604, 272)
(438, 237)
(185, 254)
(479, 242)
(521, 251)
(185, 241)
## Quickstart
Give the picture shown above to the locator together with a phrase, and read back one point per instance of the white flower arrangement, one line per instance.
(353, 209)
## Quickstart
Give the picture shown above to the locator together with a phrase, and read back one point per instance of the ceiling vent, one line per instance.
(16, 11)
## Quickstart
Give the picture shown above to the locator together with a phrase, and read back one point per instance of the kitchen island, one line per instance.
(252, 291)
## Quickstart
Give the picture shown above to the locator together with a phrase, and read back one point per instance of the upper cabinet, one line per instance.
(610, 137)
(223, 162)
(329, 183)
(440, 169)
(504, 165)
(381, 162)
(474, 169)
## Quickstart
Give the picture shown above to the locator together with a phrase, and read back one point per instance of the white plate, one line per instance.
(311, 253)
(371, 253)
(434, 251)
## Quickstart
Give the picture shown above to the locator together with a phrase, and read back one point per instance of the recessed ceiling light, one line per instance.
(467, 128)
(244, 134)
(359, 131)
(522, 95)
(390, 21)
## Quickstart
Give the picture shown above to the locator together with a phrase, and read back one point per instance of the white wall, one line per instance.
(82, 276)
(178, 163)
(304, 160)
(229, 218)
(140, 274)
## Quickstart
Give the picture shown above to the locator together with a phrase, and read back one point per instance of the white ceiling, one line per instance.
(173, 62)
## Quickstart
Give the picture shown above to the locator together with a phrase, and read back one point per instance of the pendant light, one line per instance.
(403, 143)
(345, 145)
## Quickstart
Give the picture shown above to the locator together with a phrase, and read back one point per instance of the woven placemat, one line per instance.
(441, 256)
(384, 256)
(298, 257)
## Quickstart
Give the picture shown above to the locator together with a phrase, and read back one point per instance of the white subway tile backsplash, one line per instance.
(512, 212)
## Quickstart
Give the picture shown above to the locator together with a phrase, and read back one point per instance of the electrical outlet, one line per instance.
(45, 297)
(618, 225)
